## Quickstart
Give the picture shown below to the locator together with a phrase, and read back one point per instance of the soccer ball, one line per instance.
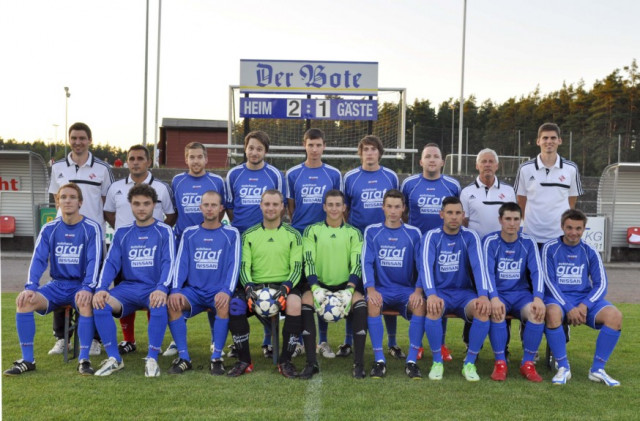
(332, 309)
(265, 305)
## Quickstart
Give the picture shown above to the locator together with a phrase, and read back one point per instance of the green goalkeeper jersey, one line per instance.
(332, 254)
(271, 255)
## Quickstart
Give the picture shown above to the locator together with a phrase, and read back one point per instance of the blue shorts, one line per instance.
(132, 296)
(397, 300)
(591, 313)
(514, 301)
(198, 301)
(59, 294)
(457, 300)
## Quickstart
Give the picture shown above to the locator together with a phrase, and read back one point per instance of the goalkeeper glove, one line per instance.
(347, 294)
(319, 295)
(281, 296)
(252, 296)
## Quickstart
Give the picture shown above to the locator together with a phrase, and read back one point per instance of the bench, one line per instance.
(70, 325)
(7, 226)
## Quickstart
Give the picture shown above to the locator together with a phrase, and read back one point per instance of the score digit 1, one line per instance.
(323, 108)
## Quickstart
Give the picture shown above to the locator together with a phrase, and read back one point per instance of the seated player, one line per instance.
(72, 246)
(450, 260)
(332, 252)
(389, 278)
(204, 279)
(576, 287)
(272, 258)
(145, 252)
(511, 258)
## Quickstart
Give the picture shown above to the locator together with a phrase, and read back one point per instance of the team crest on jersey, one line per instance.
(68, 254)
(569, 274)
(509, 269)
(92, 176)
(562, 178)
(141, 256)
(206, 259)
(449, 262)
(501, 196)
(391, 256)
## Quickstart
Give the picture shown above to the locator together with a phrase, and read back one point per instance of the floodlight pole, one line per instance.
(66, 119)
(453, 119)
(156, 127)
(146, 76)
(464, 34)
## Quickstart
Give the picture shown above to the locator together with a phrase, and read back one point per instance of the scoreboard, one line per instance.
(311, 109)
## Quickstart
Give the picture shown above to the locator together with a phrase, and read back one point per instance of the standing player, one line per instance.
(72, 246)
(117, 212)
(205, 278)
(576, 289)
(272, 258)
(364, 189)
(547, 186)
(511, 258)
(424, 194)
(482, 198)
(245, 185)
(307, 184)
(389, 277)
(188, 188)
(450, 260)
(144, 251)
(94, 177)
(332, 252)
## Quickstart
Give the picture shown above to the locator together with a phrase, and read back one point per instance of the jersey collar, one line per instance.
(147, 180)
(89, 162)
(558, 163)
(496, 183)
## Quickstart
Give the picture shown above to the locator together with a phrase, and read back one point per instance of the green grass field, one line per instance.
(56, 391)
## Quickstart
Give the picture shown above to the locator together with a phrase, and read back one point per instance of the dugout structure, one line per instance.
(341, 136)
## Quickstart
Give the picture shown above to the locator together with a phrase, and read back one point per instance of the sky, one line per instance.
(97, 50)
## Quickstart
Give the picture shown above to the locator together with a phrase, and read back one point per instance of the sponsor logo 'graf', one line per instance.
(207, 259)
(141, 256)
(68, 254)
(509, 269)
(569, 274)
(391, 256)
(449, 262)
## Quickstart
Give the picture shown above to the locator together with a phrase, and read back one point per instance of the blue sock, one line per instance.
(416, 332)
(531, 340)
(376, 332)
(606, 342)
(178, 330)
(477, 335)
(558, 344)
(348, 332)
(391, 323)
(157, 327)
(444, 330)
(220, 336)
(433, 328)
(498, 338)
(211, 315)
(106, 327)
(26, 327)
(86, 331)
(267, 336)
(323, 326)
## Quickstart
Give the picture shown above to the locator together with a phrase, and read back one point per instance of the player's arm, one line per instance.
(598, 275)
(245, 266)
(94, 257)
(171, 218)
(522, 202)
(167, 260)
(295, 259)
(309, 255)
(489, 263)
(39, 260)
(534, 265)
(291, 207)
(572, 201)
(110, 217)
(112, 264)
(368, 260)
(181, 270)
(233, 263)
(550, 278)
(476, 258)
(355, 272)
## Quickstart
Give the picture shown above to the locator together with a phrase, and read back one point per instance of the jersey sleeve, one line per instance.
(182, 265)
(290, 185)
(599, 281)
(551, 279)
(519, 184)
(489, 263)
(309, 255)
(233, 262)
(94, 256)
(39, 260)
(535, 269)
(426, 263)
(168, 201)
(245, 267)
(108, 180)
(355, 274)
(53, 183)
(110, 202)
(368, 259)
(477, 265)
(167, 259)
(113, 262)
(229, 190)
(295, 258)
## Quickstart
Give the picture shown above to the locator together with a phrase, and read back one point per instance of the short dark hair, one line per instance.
(139, 148)
(80, 126)
(333, 193)
(313, 134)
(450, 200)
(393, 194)
(143, 190)
(259, 135)
(549, 127)
(195, 145)
(71, 186)
(272, 191)
(373, 141)
(509, 207)
(574, 215)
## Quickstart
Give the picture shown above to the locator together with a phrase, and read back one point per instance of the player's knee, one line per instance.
(237, 307)
(497, 318)
(307, 298)
(614, 319)
(417, 310)
(553, 316)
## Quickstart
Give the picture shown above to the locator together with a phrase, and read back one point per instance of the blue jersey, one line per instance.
(208, 260)
(452, 262)
(74, 253)
(510, 265)
(144, 254)
(389, 257)
(573, 273)
(188, 191)
(307, 187)
(424, 199)
(244, 192)
(364, 191)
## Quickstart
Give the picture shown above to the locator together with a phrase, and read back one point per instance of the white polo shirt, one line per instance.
(117, 200)
(93, 178)
(547, 191)
(481, 204)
